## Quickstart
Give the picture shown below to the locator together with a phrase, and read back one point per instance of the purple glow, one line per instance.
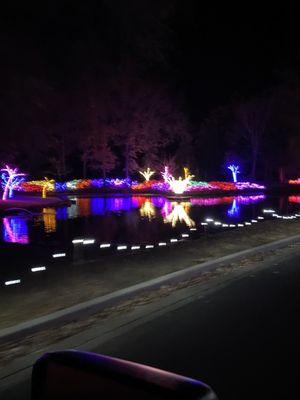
(15, 230)
(248, 185)
(212, 201)
(166, 209)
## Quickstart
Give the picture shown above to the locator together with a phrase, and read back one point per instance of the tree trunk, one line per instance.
(253, 167)
(281, 175)
(127, 160)
(84, 168)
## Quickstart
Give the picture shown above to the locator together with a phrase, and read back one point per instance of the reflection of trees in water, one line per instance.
(234, 210)
(83, 205)
(179, 214)
(147, 210)
(49, 219)
(15, 230)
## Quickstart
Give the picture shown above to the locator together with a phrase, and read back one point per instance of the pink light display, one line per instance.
(294, 199)
(11, 179)
(294, 181)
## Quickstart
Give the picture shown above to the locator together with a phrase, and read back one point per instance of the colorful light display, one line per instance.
(169, 182)
(234, 170)
(187, 174)
(166, 174)
(294, 181)
(178, 186)
(44, 186)
(294, 199)
(147, 174)
(11, 180)
(159, 186)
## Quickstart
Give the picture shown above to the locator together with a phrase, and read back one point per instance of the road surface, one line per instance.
(242, 339)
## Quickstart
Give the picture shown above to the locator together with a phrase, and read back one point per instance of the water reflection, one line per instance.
(179, 214)
(147, 210)
(15, 230)
(234, 210)
(49, 219)
(124, 219)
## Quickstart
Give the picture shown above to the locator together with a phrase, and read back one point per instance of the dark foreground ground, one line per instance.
(242, 338)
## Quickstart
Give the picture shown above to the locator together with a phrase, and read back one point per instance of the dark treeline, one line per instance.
(110, 87)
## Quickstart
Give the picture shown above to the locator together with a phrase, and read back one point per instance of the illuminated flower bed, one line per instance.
(151, 185)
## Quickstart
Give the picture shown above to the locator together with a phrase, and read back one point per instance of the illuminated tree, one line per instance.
(166, 174)
(187, 175)
(234, 170)
(11, 179)
(179, 186)
(48, 185)
(147, 174)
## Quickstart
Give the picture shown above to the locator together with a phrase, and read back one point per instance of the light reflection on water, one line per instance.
(128, 217)
(15, 230)
(179, 214)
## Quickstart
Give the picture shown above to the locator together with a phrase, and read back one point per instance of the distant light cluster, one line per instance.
(294, 181)
(178, 186)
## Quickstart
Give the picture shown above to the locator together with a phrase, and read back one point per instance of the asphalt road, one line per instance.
(243, 340)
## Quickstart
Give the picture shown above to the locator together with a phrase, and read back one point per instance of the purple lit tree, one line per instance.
(11, 179)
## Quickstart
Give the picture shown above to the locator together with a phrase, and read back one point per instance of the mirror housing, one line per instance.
(80, 375)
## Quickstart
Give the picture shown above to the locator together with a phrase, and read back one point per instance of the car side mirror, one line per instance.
(80, 375)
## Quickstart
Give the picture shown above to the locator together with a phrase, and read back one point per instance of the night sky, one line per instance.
(55, 54)
(213, 53)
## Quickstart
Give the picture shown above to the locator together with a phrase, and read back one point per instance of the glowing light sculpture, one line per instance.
(147, 174)
(178, 186)
(11, 179)
(234, 170)
(187, 174)
(166, 174)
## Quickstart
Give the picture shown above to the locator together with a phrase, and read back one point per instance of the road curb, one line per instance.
(98, 304)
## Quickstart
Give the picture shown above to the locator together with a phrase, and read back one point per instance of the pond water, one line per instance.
(111, 222)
